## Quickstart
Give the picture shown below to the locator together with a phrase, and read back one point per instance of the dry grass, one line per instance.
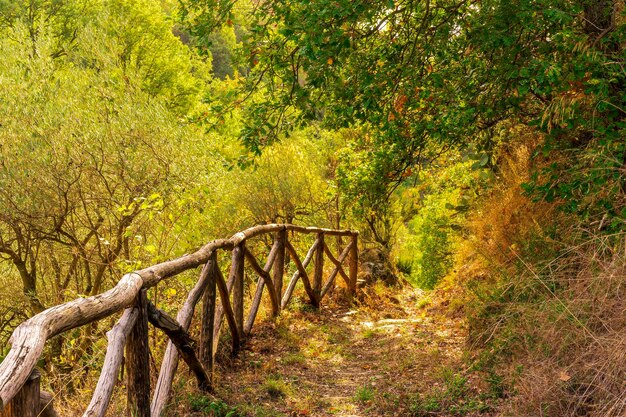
(507, 217)
(573, 362)
(548, 302)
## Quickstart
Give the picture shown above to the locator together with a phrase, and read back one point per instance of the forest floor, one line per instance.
(392, 353)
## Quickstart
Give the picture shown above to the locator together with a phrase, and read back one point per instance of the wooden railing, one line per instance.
(19, 379)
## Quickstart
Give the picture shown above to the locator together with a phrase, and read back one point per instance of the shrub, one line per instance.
(214, 408)
(444, 196)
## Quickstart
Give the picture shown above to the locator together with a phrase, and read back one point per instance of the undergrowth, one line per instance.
(546, 304)
(212, 408)
(454, 397)
(555, 330)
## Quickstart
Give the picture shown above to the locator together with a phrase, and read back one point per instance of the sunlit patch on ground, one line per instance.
(371, 359)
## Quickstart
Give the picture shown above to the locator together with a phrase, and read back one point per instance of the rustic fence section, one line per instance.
(19, 380)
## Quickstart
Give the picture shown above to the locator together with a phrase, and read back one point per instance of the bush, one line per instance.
(215, 408)
(445, 195)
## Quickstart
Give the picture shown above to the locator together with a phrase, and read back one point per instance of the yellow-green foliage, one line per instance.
(101, 172)
(94, 159)
(145, 50)
(85, 155)
(440, 201)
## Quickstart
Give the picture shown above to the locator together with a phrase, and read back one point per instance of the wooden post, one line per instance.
(46, 402)
(169, 365)
(228, 311)
(138, 362)
(338, 264)
(183, 342)
(279, 262)
(319, 267)
(26, 402)
(112, 362)
(338, 269)
(236, 270)
(256, 301)
(208, 317)
(354, 262)
(267, 280)
(301, 273)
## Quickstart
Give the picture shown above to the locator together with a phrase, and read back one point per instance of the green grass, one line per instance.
(296, 358)
(214, 408)
(453, 399)
(368, 333)
(364, 394)
(276, 387)
(423, 302)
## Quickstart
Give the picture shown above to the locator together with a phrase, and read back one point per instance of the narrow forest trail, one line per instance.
(372, 359)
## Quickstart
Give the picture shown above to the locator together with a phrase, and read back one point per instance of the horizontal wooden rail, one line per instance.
(28, 339)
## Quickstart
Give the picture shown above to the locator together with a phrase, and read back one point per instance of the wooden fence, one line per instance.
(20, 395)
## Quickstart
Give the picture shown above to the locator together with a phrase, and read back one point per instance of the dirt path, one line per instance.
(370, 360)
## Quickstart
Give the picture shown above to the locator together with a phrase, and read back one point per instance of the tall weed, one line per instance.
(548, 309)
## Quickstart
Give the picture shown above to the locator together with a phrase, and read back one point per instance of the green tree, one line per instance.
(421, 78)
(223, 44)
(89, 148)
(140, 38)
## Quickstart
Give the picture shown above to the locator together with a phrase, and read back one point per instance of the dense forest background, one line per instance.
(478, 146)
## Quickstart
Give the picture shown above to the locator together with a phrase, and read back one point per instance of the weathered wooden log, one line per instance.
(169, 365)
(338, 265)
(228, 310)
(258, 294)
(333, 274)
(254, 306)
(301, 273)
(152, 275)
(279, 262)
(318, 272)
(301, 268)
(138, 362)
(219, 313)
(112, 361)
(183, 342)
(236, 270)
(29, 338)
(354, 262)
(271, 228)
(328, 232)
(30, 401)
(267, 280)
(26, 403)
(208, 318)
